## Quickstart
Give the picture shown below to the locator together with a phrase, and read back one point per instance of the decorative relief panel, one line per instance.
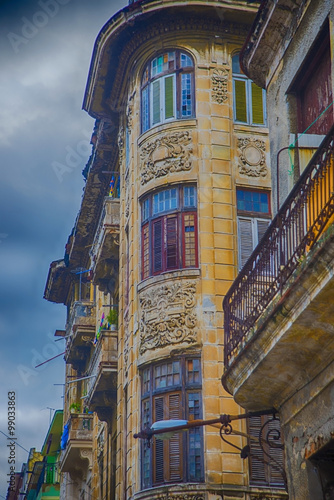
(252, 159)
(219, 85)
(264, 496)
(120, 141)
(167, 315)
(182, 496)
(168, 153)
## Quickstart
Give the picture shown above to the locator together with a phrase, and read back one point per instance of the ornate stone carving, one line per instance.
(182, 496)
(168, 153)
(129, 111)
(86, 453)
(167, 315)
(219, 85)
(126, 346)
(120, 142)
(266, 496)
(252, 160)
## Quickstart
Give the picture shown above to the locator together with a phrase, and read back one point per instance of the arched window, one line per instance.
(249, 100)
(167, 89)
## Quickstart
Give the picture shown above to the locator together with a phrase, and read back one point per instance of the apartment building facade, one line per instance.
(177, 195)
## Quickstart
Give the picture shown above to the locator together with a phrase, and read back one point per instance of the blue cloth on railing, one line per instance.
(64, 437)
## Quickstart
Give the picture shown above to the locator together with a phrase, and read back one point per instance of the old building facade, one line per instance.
(279, 311)
(177, 195)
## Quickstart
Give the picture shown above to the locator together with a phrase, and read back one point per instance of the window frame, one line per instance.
(239, 76)
(181, 442)
(154, 230)
(147, 101)
(255, 218)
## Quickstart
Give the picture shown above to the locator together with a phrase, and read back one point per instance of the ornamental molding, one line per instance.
(88, 455)
(126, 347)
(129, 111)
(127, 196)
(219, 81)
(168, 153)
(120, 142)
(252, 159)
(168, 316)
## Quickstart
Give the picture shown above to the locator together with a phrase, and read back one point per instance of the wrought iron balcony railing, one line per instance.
(306, 214)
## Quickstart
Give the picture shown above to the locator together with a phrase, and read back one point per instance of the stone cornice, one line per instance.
(127, 31)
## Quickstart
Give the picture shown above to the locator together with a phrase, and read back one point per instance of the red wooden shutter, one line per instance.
(145, 251)
(158, 456)
(175, 448)
(171, 242)
(157, 246)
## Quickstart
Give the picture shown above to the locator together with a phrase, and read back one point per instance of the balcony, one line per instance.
(80, 330)
(105, 249)
(279, 312)
(102, 385)
(76, 458)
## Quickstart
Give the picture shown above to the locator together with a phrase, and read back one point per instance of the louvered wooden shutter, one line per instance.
(189, 240)
(156, 102)
(257, 105)
(245, 239)
(258, 470)
(262, 474)
(262, 226)
(145, 251)
(175, 449)
(240, 100)
(171, 242)
(158, 443)
(169, 97)
(157, 245)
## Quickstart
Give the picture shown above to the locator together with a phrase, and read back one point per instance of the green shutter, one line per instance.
(156, 102)
(169, 97)
(240, 101)
(257, 105)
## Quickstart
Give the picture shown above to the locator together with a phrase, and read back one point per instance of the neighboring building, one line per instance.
(179, 168)
(39, 478)
(279, 313)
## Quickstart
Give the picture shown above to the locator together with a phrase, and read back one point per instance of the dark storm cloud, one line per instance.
(44, 60)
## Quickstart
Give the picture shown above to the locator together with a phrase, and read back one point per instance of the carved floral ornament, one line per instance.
(182, 496)
(167, 315)
(252, 159)
(168, 153)
(219, 85)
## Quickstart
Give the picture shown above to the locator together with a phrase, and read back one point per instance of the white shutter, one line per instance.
(262, 226)
(245, 239)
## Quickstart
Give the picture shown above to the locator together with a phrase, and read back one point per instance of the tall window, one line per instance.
(167, 91)
(172, 390)
(253, 220)
(169, 230)
(249, 100)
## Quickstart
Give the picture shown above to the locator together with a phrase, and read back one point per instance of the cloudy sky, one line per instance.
(45, 51)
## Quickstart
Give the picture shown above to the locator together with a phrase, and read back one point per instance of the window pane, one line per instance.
(156, 102)
(253, 201)
(240, 101)
(236, 64)
(195, 438)
(257, 104)
(145, 209)
(165, 62)
(169, 97)
(189, 199)
(186, 94)
(189, 240)
(186, 61)
(145, 110)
